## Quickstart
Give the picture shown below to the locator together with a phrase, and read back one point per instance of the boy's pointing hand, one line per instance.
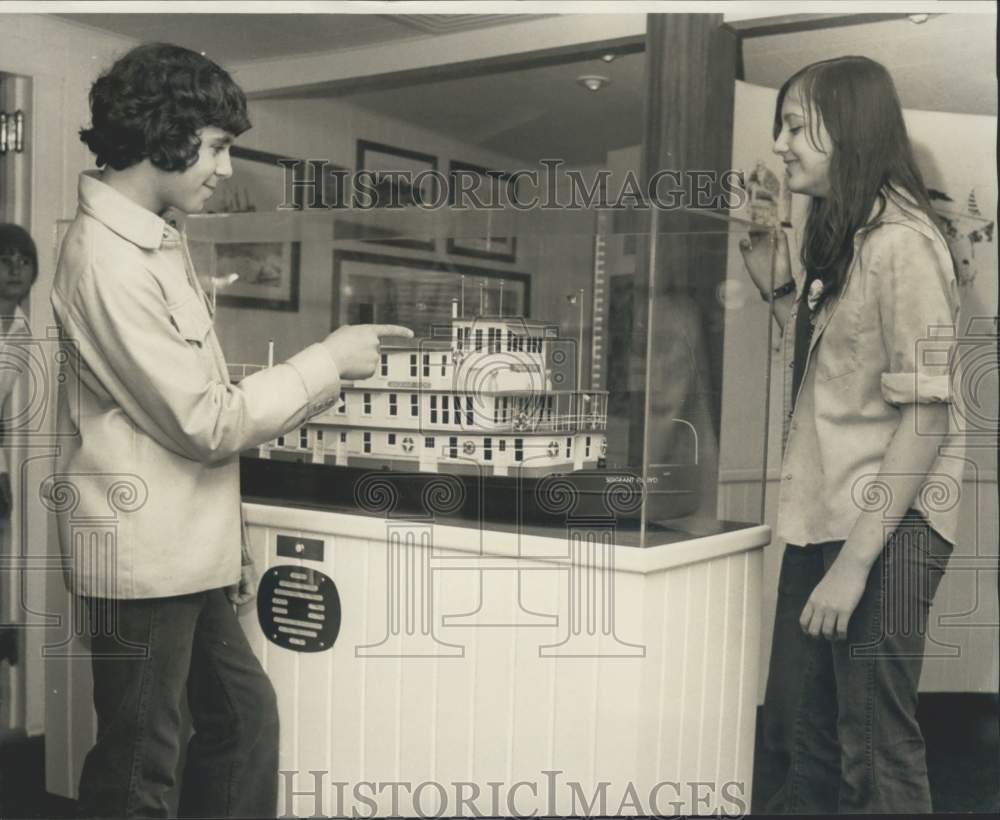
(355, 348)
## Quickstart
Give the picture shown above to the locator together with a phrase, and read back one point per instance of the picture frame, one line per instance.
(261, 182)
(417, 292)
(375, 157)
(499, 248)
(268, 272)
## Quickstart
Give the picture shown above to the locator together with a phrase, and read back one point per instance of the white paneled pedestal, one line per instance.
(526, 671)
(492, 673)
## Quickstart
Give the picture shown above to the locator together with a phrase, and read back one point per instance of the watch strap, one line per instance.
(778, 292)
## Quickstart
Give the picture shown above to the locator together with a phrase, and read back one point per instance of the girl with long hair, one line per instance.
(871, 470)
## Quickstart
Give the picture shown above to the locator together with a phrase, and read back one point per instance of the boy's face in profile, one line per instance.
(189, 190)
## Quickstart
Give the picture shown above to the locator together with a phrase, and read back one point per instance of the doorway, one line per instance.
(15, 205)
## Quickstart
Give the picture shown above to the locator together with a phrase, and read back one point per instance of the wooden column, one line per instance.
(691, 65)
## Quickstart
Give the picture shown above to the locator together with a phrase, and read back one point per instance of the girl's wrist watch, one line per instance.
(778, 292)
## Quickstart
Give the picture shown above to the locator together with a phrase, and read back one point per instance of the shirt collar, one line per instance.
(126, 218)
(900, 208)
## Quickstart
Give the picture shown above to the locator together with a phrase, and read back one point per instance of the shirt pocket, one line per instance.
(192, 321)
(837, 348)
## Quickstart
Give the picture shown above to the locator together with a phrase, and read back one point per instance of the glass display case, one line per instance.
(558, 480)
(566, 363)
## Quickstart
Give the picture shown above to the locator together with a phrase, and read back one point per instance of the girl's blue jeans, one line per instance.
(840, 728)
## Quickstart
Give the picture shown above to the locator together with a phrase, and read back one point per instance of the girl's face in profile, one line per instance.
(804, 145)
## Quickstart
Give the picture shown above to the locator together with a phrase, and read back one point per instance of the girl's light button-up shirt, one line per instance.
(888, 340)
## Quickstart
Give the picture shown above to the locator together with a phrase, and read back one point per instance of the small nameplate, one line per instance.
(291, 546)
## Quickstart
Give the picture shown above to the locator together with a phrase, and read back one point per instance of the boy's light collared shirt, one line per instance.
(147, 493)
(887, 341)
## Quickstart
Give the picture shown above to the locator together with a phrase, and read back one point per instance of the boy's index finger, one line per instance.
(392, 330)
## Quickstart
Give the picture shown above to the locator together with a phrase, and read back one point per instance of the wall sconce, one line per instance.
(593, 82)
(11, 132)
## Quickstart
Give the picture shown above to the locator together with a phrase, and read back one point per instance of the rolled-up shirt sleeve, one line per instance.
(918, 308)
(147, 355)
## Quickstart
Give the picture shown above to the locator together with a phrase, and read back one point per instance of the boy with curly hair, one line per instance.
(160, 428)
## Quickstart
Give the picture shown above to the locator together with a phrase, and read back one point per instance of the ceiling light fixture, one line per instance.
(608, 57)
(593, 82)
(919, 18)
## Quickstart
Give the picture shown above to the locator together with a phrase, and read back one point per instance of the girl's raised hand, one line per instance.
(758, 250)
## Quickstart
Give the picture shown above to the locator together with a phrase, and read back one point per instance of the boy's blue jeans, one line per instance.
(840, 728)
(147, 656)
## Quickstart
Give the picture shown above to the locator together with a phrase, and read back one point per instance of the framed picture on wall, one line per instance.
(418, 293)
(268, 273)
(487, 186)
(262, 181)
(399, 178)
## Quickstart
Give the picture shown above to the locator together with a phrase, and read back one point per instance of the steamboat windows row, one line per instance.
(456, 448)
(445, 408)
(493, 341)
(422, 363)
(524, 411)
(517, 343)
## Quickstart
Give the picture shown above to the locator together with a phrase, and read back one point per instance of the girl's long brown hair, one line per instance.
(871, 154)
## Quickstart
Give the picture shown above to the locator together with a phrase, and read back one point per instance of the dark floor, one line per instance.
(963, 759)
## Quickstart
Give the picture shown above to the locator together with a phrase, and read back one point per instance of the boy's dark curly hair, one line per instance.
(152, 102)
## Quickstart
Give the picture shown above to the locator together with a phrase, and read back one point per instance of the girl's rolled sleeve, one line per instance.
(918, 307)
